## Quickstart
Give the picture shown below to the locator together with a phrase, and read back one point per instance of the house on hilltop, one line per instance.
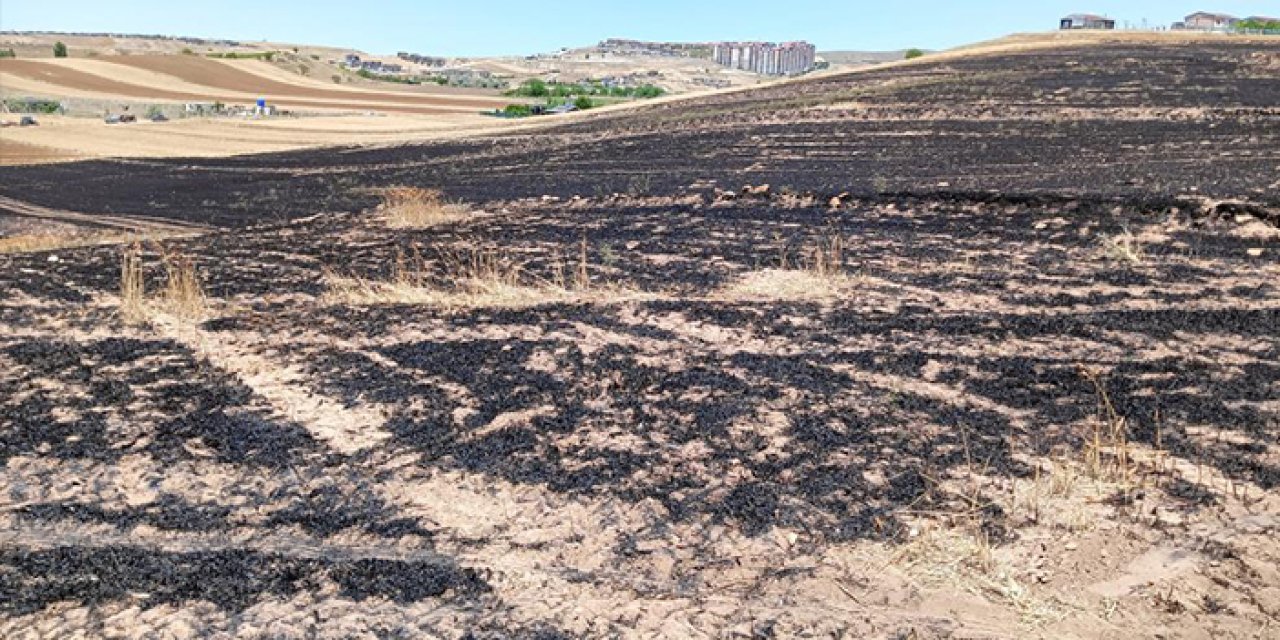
(1205, 21)
(1086, 21)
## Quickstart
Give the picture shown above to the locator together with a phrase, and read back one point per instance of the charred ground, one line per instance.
(1026, 240)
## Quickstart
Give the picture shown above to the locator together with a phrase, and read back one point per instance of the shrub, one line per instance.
(8, 54)
(584, 103)
(369, 75)
(912, 54)
(59, 50)
(649, 91)
(264, 55)
(34, 105)
(517, 111)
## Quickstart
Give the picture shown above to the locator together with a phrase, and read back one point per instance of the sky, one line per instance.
(509, 27)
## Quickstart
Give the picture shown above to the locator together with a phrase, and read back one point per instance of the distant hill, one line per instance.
(861, 57)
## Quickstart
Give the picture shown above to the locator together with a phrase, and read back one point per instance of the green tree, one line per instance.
(584, 103)
(8, 54)
(534, 88)
(59, 50)
(1258, 25)
(912, 54)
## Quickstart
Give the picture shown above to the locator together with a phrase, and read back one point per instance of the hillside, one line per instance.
(324, 113)
(977, 345)
(106, 74)
(861, 58)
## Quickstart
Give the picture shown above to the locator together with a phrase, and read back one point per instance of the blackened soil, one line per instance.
(1202, 119)
(958, 339)
(231, 580)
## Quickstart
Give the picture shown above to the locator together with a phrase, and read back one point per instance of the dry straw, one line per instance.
(417, 208)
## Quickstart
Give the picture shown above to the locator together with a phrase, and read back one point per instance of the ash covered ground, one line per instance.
(994, 354)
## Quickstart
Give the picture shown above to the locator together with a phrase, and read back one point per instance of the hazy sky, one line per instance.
(491, 27)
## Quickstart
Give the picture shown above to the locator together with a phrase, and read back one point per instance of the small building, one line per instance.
(1086, 21)
(351, 60)
(1205, 21)
(200, 108)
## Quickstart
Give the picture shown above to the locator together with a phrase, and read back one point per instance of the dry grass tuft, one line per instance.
(819, 275)
(964, 558)
(416, 208)
(783, 284)
(132, 286)
(1106, 453)
(468, 279)
(1123, 247)
(35, 243)
(826, 258)
(182, 295)
(1050, 498)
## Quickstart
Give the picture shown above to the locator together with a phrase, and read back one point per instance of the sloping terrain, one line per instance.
(213, 80)
(238, 76)
(1138, 122)
(994, 354)
(336, 114)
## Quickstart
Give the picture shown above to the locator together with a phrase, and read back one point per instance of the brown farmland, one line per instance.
(237, 77)
(984, 346)
(219, 80)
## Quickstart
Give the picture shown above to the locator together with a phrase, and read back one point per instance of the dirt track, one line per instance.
(896, 450)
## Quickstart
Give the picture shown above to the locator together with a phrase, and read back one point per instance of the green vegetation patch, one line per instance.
(536, 88)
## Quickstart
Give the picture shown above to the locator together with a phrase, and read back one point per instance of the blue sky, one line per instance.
(493, 27)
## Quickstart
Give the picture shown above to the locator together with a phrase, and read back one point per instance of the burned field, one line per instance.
(994, 354)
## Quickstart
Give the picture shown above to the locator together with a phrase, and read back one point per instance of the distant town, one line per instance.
(764, 58)
(1198, 21)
